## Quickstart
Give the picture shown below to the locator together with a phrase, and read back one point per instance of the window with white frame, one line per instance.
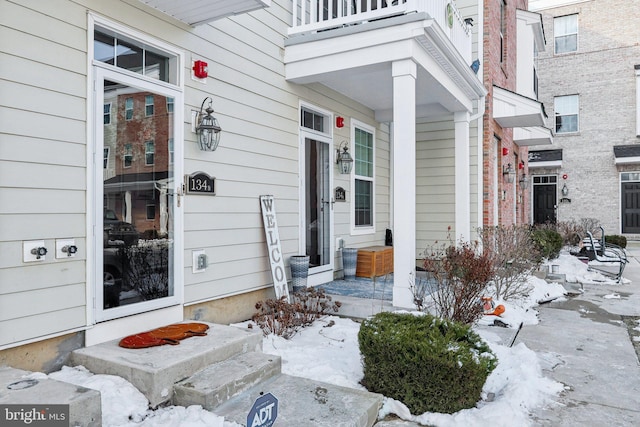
(149, 153)
(566, 113)
(363, 194)
(148, 105)
(128, 108)
(105, 157)
(127, 158)
(503, 29)
(565, 34)
(637, 68)
(124, 52)
(106, 108)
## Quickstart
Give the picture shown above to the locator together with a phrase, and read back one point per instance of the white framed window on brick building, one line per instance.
(566, 113)
(363, 190)
(565, 34)
(637, 68)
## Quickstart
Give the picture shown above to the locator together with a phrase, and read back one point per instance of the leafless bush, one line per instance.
(514, 256)
(573, 231)
(279, 317)
(461, 274)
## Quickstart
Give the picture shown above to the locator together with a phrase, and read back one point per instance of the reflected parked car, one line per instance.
(116, 232)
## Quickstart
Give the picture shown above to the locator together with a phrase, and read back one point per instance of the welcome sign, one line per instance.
(267, 204)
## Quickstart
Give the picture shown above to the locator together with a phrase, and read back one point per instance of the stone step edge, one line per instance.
(221, 381)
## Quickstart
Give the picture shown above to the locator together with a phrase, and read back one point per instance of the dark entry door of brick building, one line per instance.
(631, 207)
(544, 203)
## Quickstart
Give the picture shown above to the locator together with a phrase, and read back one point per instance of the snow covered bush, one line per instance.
(429, 364)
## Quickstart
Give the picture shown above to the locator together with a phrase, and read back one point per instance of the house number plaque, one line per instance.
(200, 183)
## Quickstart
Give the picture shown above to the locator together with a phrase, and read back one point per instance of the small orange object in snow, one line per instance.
(489, 307)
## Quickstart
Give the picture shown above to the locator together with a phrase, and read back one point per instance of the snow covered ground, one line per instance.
(328, 351)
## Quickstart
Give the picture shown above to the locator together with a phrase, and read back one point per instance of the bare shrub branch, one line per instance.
(514, 256)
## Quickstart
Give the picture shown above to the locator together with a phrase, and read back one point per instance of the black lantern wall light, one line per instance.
(207, 128)
(344, 159)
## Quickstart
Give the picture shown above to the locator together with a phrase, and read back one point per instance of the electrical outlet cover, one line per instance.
(196, 266)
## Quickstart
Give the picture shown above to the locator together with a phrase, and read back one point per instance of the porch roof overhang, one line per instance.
(511, 110)
(534, 19)
(357, 62)
(627, 154)
(545, 159)
(198, 12)
(530, 136)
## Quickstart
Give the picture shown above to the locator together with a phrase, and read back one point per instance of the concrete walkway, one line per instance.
(585, 344)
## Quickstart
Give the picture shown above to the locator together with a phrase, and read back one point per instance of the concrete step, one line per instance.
(17, 388)
(304, 402)
(217, 383)
(155, 370)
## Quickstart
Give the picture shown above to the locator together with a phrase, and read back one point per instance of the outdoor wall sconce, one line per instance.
(208, 129)
(565, 190)
(524, 181)
(344, 159)
(508, 174)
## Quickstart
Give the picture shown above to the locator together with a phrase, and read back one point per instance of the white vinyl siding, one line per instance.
(44, 66)
(258, 154)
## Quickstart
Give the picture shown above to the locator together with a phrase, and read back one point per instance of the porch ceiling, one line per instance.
(197, 12)
(511, 109)
(529, 136)
(358, 64)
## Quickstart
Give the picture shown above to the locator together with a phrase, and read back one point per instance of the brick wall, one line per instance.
(512, 208)
(601, 72)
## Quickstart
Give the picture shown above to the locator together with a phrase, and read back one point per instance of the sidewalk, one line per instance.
(584, 343)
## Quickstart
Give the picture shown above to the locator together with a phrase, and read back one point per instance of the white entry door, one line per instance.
(138, 228)
(317, 208)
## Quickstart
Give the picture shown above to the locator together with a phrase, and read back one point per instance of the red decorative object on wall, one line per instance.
(339, 122)
(505, 151)
(200, 69)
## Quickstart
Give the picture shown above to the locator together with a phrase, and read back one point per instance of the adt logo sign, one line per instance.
(264, 412)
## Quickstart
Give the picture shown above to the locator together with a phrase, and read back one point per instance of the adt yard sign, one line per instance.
(264, 412)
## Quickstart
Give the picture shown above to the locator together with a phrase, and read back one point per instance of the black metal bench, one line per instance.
(613, 257)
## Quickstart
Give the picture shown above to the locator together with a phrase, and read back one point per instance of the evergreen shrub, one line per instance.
(548, 241)
(428, 363)
(616, 240)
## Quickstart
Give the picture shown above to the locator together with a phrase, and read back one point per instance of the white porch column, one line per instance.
(404, 181)
(462, 177)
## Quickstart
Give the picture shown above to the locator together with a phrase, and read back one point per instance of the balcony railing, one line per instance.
(311, 16)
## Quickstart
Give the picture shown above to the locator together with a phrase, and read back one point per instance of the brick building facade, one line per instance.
(589, 81)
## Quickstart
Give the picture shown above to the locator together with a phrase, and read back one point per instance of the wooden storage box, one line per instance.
(374, 261)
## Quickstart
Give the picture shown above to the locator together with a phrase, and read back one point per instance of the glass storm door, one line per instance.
(135, 203)
(317, 204)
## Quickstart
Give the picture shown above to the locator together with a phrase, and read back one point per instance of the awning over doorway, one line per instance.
(512, 110)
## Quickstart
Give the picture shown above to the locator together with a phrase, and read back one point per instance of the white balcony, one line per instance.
(313, 16)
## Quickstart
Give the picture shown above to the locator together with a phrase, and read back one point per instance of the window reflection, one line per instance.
(137, 205)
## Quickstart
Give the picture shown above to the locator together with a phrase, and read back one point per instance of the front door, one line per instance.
(136, 202)
(631, 207)
(318, 207)
(544, 200)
